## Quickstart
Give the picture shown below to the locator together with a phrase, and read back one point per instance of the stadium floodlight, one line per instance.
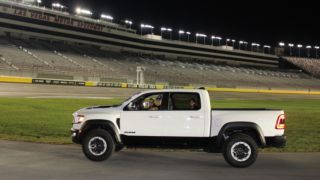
(233, 41)
(56, 5)
(219, 40)
(308, 50)
(188, 35)
(212, 38)
(164, 29)
(266, 47)
(146, 26)
(37, 2)
(290, 48)
(317, 48)
(227, 40)
(85, 12)
(254, 45)
(240, 43)
(128, 22)
(180, 33)
(106, 17)
(299, 47)
(201, 35)
(245, 44)
(282, 44)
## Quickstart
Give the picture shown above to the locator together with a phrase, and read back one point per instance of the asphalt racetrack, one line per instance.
(20, 160)
(59, 91)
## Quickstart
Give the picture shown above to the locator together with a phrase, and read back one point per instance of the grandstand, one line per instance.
(60, 60)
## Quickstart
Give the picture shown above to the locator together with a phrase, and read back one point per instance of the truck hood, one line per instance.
(98, 110)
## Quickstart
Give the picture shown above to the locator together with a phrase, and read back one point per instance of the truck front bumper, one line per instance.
(75, 135)
(276, 141)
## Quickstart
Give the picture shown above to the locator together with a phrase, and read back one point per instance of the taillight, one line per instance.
(281, 122)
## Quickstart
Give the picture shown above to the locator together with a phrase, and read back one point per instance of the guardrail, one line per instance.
(29, 80)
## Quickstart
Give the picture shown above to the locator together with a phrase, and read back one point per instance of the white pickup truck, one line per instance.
(178, 119)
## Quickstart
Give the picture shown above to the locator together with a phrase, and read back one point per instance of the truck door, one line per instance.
(144, 115)
(185, 116)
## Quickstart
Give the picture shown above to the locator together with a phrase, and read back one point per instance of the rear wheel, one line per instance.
(98, 145)
(240, 150)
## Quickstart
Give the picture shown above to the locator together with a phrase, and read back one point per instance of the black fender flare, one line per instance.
(234, 127)
(103, 124)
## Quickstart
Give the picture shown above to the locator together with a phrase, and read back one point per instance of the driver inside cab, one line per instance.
(154, 105)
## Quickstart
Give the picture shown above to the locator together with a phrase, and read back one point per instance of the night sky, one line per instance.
(264, 22)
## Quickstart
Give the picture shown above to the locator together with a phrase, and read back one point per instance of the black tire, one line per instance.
(240, 145)
(102, 145)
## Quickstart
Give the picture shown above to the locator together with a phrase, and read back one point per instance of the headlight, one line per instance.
(78, 119)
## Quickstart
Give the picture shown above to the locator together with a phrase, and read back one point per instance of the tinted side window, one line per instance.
(184, 101)
(149, 102)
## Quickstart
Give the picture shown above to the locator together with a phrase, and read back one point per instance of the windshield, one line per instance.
(129, 98)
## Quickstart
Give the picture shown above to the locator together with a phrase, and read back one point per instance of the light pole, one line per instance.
(181, 32)
(38, 2)
(219, 40)
(233, 41)
(308, 50)
(212, 38)
(266, 47)
(299, 47)
(290, 48)
(146, 26)
(258, 45)
(188, 34)
(254, 45)
(227, 40)
(282, 45)
(163, 29)
(245, 45)
(317, 48)
(128, 22)
(240, 43)
(201, 35)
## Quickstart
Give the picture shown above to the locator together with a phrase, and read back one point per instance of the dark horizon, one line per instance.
(264, 22)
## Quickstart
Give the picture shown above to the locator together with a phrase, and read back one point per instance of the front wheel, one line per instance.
(240, 150)
(98, 145)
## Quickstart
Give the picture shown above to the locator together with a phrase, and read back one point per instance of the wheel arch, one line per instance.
(249, 128)
(101, 124)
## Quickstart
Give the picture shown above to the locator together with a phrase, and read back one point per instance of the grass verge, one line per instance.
(49, 120)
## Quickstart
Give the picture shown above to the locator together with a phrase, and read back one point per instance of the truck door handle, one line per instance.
(194, 117)
(155, 117)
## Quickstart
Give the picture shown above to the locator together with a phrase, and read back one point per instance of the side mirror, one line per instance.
(131, 106)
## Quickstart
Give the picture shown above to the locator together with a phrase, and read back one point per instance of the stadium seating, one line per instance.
(46, 58)
(309, 65)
